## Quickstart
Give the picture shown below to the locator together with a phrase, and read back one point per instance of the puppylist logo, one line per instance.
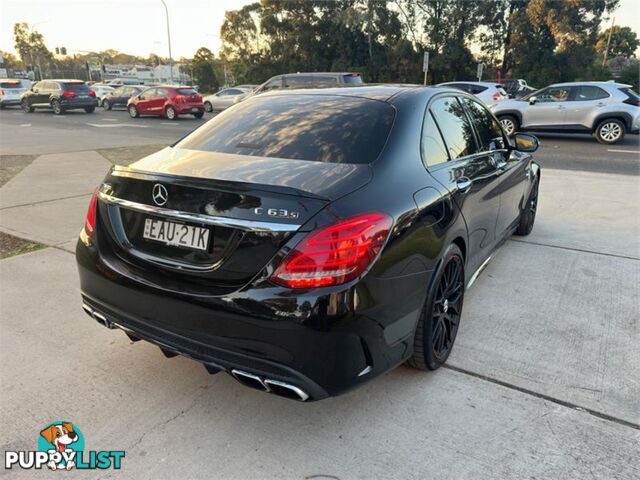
(61, 447)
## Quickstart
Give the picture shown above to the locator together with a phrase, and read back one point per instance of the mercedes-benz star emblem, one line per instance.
(160, 194)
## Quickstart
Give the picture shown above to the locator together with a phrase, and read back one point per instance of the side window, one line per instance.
(325, 81)
(553, 94)
(274, 84)
(476, 89)
(434, 151)
(161, 92)
(487, 127)
(455, 127)
(298, 81)
(223, 93)
(589, 92)
(147, 94)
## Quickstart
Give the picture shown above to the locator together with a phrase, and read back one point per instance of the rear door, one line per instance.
(468, 173)
(550, 109)
(511, 177)
(583, 104)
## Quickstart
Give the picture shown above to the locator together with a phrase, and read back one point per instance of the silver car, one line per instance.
(607, 110)
(10, 91)
(224, 98)
(488, 92)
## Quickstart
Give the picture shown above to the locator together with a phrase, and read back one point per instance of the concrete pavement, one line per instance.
(542, 381)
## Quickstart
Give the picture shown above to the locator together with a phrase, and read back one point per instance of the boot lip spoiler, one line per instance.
(247, 225)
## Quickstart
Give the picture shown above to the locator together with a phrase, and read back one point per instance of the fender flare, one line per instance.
(624, 117)
(512, 113)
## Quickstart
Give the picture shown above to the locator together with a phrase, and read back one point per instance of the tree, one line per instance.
(203, 70)
(30, 45)
(624, 42)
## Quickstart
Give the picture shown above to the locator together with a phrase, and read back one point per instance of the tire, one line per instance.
(133, 111)
(89, 109)
(170, 113)
(208, 107)
(510, 124)
(199, 114)
(609, 131)
(57, 108)
(106, 105)
(26, 108)
(440, 316)
(528, 214)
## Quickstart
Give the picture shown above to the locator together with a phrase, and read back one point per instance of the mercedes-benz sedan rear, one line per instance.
(307, 241)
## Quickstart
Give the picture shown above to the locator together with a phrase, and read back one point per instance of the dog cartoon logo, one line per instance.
(65, 439)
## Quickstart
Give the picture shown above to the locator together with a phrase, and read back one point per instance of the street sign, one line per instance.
(425, 66)
(480, 69)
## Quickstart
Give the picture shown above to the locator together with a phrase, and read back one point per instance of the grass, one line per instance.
(127, 155)
(11, 246)
(11, 165)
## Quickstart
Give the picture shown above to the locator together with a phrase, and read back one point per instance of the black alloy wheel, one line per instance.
(528, 214)
(438, 324)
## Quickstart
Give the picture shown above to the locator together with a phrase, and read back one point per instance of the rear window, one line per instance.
(318, 128)
(352, 78)
(630, 93)
(186, 91)
(10, 84)
(75, 87)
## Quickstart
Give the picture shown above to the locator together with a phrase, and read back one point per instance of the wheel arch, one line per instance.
(510, 113)
(624, 117)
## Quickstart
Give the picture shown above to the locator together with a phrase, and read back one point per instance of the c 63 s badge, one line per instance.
(61, 447)
(276, 212)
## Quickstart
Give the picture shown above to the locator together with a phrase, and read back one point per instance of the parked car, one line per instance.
(101, 91)
(120, 96)
(307, 242)
(166, 101)
(489, 93)
(305, 80)
(10, 91)
(515, 87)
(119, 82)
(223, 99)
(60, 96)
(607, 110)
(247, 86)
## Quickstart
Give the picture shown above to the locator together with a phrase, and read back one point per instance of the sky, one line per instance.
(138, 26)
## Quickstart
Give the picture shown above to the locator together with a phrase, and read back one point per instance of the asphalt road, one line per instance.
(42, 132)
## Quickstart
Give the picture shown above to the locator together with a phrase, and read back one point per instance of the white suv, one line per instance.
(607, 110)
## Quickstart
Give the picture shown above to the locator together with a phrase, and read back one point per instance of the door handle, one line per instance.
(464, 184)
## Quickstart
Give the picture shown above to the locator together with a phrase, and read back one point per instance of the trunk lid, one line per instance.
(251, 207)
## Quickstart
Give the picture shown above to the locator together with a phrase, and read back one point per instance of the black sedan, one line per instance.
(120, 96)
(307, 241)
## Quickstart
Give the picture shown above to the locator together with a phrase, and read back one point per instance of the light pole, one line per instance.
(166, 10)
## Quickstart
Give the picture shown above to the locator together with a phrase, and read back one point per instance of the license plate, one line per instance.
(194, 110)
(176, 234)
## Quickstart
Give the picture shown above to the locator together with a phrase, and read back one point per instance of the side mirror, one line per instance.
(526, 143)
(533, 100)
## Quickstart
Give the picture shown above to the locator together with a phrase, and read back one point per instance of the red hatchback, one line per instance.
(166, 101)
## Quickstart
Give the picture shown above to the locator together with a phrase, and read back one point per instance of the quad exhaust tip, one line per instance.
(277, 387)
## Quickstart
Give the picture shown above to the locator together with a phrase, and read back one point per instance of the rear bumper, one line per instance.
(70, 105)
(9, 101)
(323, 341)
(186, 109)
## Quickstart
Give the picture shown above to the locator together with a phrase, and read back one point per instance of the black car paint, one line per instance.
(324, 340)
(121, 95)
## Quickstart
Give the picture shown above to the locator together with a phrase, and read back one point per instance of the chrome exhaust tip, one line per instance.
(249, 380)
(286, 390)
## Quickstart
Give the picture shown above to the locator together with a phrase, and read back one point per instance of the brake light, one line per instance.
(1, 92)
(180, 98)
(90, 222)
(497, 96)
(92, 93)
(335, 254)
(68, 94)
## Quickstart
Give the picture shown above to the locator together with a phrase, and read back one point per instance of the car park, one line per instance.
(166, 101)
(488, 92)
(607, 110)
(232, 248)
(223, 99)
(10, 91)
(60, 96)
(119, 97)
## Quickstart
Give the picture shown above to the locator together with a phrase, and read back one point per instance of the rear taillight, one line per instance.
(497, 96)
(90, 222)
(92, 93)
(1, 92)
(335, 254)
(69, 94)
